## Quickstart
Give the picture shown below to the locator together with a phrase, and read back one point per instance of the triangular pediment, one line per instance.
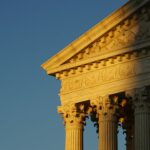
(125, 28)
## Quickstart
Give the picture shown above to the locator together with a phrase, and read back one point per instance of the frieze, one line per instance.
(99, 77)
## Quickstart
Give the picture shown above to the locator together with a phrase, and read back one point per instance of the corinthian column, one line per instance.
(74, 122)
(107, 120)
(142, 119)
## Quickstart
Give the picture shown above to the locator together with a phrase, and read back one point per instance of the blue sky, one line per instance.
(31, 31)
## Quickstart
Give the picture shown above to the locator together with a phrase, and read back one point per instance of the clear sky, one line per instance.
(31, 31)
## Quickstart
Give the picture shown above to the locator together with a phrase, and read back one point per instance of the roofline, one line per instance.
(92, 34)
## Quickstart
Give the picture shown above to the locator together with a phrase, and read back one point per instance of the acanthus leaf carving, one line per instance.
(73, 115)
(130, 32)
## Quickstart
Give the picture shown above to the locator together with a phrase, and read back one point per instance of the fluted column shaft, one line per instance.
(107, 132)
(74, 137)
(142, 128)
(105, 108)
(142, 121)
(74, 120)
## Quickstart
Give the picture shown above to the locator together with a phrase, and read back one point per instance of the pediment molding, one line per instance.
(103, 63)
(112, 35)
(128, 33)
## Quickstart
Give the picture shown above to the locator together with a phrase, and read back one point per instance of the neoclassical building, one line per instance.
(105, 75)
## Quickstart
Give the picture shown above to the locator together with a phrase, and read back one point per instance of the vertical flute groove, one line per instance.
(142, 128)
(107, 133)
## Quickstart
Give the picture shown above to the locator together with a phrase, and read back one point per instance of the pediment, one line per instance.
(125, 28)
(131, 32)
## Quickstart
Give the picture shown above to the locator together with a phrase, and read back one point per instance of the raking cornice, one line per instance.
(90, 36)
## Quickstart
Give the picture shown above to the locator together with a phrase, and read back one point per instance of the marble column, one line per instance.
(107, 120)
(74, 125)
(142, 119)
(74, 135)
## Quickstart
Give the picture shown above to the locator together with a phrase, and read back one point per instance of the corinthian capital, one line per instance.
(142, 99)
(104, 105)
(73, 114)
(142, 94)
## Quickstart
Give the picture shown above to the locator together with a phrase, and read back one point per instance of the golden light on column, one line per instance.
(105, 63)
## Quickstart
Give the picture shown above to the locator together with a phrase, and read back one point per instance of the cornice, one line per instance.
(52, 65)
(98, 59)
(92, 66)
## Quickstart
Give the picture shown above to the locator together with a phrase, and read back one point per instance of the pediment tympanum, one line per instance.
(125, 29)
(129, 33)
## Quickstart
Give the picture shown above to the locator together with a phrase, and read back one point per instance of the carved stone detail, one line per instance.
(142, 100)
(74, 120)
(131, 31)
(102, 76)
(73, 115)
(104, 106)
(142, 118)
(100, 64)
(106, 114)
(111, 58)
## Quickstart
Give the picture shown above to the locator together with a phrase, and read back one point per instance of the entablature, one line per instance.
(102, 62)
(124, 29)
(115, 75)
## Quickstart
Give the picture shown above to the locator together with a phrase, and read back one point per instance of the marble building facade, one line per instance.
(105, 75)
